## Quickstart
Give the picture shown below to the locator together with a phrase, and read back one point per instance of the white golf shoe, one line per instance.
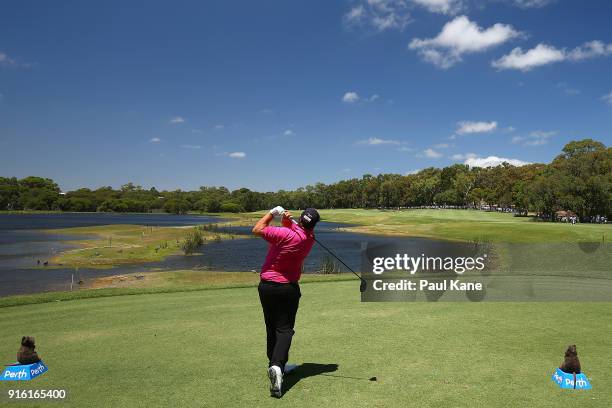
(276, 381)
(289, 368)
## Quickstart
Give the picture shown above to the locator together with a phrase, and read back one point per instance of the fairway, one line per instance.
(206, 348)
(465, 225)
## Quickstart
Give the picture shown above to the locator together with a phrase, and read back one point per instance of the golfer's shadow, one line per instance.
(306, 370)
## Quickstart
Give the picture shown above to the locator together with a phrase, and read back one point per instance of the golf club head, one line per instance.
(363, 285)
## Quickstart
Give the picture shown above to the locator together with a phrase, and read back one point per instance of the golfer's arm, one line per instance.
(262, 223)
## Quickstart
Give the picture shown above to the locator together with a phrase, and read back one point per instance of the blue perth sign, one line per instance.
(23, 372)
(566, 380)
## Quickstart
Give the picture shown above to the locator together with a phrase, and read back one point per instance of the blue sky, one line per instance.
(280, 94)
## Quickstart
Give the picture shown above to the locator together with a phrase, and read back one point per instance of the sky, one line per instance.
(275, 95)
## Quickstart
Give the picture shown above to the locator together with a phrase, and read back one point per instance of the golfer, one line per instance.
(279, 291)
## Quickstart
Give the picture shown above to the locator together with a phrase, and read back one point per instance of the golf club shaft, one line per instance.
(335, 256)
(332, 254)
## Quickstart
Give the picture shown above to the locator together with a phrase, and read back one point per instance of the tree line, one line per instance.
(579, 179)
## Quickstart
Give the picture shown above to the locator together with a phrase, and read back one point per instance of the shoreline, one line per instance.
(161, 282)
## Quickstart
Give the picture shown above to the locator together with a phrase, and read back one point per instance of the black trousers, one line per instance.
(280, 303)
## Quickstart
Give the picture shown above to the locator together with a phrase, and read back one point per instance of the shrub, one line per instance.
(192, 242)
(329, 266)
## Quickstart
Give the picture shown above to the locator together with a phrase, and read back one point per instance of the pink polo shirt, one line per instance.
(289, 246)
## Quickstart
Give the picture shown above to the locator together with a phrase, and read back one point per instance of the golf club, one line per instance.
(363, 285)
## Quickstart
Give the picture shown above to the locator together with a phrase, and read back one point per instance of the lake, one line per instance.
(23, 243)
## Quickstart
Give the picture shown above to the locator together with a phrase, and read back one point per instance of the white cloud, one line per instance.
(432, 154)
(415, 171)
(233, 155)
(353, 97)
(154, 140)
(355, 15)
(375, 141)
(441, 6)
(543, 54)
(218, 127)
(192, 147)
(461, 36)
(442, 146)
(467, 127)
(7, 61)
(532, 3)
(535, 138)
(607, 97)
(493, 161)
(460, 156)
(540, 137)
(379, 14)
(177, 119)
(288, 132)
(590, 49)
(350, 97)
(567, 89)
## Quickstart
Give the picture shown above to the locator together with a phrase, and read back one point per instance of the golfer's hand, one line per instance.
(286, 220)
(277, 211)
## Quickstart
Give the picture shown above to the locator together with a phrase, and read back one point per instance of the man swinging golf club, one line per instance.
(279, 291)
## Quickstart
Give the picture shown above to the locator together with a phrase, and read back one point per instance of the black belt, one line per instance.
(267, 282)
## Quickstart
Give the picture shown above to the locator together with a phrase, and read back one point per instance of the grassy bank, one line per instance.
(123, 244)
(207, 348)
(156, 282)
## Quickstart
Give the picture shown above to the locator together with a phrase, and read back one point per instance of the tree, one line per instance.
(176, 206)
(231, 207)
(578, 179)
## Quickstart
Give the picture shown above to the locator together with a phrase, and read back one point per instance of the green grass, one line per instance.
(466, 225)
(156, 282)
(455, 225)
(126, 244)
(197, 339)
(207, 348)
